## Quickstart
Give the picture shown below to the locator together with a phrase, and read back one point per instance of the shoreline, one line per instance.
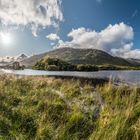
(128, 78)
(83, 80)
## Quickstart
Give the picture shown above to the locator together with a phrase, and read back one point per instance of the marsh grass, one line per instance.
(43, 108)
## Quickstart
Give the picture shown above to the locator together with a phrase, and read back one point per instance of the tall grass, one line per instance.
(41, 108)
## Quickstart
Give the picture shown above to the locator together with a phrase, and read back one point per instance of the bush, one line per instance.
(82, 67)
(52, 68)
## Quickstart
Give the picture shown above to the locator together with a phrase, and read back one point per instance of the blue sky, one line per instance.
(98, 15)
(87, 14)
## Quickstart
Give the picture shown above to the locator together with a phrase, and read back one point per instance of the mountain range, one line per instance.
(9, 59)
(82, 56)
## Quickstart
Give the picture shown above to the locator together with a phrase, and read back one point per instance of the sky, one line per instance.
(37, 26)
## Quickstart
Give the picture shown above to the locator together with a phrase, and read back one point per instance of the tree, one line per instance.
(82, 67)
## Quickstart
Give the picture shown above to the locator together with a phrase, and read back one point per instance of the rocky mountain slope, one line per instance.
(79, 56)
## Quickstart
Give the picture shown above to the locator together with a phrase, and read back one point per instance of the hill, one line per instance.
(79, 56)
(133, 61)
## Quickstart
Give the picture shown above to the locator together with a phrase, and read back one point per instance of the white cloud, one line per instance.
(115, 39)
(32, 13)
(53, 37)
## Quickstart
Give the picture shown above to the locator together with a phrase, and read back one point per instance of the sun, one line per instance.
(6, 38)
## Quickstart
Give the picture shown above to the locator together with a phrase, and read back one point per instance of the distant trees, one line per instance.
(39, 65)
(52, 68)
(55, 64)
(82, 67)
(112, 67)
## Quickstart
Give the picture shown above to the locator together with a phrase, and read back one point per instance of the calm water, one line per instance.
(132, 77)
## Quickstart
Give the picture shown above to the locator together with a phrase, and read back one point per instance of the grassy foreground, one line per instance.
(41, 108)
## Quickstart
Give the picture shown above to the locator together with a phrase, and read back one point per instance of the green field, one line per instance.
(46, 108)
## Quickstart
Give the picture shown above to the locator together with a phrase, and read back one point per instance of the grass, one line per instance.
(43, 108)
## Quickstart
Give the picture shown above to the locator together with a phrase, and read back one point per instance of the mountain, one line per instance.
(9, 59)
(21, 57)
(133, 61)
(79, 56)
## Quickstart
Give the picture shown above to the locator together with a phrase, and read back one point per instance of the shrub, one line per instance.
(82, 67)
(52, 68)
